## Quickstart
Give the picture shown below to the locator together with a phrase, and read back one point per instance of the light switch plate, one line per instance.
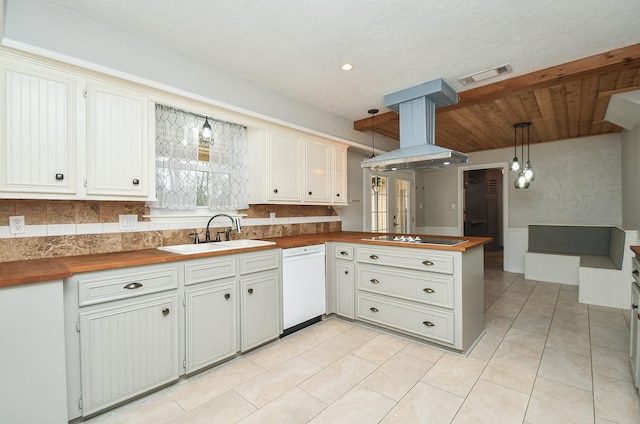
(128, 222)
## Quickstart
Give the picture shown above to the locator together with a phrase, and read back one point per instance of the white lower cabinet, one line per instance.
(260, 308)
(344, 277)
(127, 350)
(414, 319)
(131, 330)
(211, 323)
(435, 295)
(121, 333)
(345, 283)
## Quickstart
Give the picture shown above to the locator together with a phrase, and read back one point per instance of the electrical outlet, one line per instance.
(16, 225)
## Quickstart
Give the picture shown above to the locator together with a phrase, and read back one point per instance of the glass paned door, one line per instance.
(402, 218)
(379, 204)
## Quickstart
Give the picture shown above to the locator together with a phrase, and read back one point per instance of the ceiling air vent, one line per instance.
(486, 74)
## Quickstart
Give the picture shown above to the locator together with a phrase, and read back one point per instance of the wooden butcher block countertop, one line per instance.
(38, 270)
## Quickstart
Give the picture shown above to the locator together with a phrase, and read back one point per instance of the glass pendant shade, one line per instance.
(206, 129)
(528, 172)
(525, 171)
(515, 165)
(521, 181)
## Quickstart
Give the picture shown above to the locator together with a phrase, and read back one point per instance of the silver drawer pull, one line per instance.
(343, 253)
(374, 281)
(373, 257)
(165, 311)
(227, 296)
(428, 323)
(428, 263)
(428, 290)
(373, 309)
(132, 286)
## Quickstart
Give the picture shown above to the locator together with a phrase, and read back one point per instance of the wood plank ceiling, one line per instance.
(561, 102)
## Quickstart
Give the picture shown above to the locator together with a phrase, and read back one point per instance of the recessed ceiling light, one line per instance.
(346, 67)
(486, 74)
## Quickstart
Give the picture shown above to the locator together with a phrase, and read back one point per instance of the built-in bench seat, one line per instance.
(594, 258)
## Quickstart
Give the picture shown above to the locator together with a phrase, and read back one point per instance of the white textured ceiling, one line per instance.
(297, 46)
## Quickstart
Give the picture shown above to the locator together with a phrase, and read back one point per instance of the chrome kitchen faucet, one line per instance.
(235, 225)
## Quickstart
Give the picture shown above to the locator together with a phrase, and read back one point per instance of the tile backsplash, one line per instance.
(68, 228)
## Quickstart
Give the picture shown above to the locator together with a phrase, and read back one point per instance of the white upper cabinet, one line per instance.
(284, 167)
(38, 136)
(119, 154)
(289, 167)
(339, 175)
(317, 172)
(64, 136)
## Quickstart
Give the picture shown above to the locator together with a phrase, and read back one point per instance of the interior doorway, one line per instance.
(483, 206)
(483, 196)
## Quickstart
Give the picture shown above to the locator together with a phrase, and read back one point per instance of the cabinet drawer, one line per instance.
(419, 259)
(259, 261)
(343, 251)
(201, 270)
(106, 286)
(416, 286)
(420, 321)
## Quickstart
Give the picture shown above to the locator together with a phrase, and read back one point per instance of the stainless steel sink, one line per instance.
(191, 249)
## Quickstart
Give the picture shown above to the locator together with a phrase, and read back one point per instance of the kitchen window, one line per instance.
(195, 172)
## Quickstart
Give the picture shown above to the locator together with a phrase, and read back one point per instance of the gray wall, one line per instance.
(351, 215)
(631, 179)
(578, 181)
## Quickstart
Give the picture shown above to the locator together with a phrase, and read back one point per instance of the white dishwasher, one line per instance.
(303, 287)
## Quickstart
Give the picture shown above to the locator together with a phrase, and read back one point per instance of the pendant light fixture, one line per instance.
(515, 165)
(373, 112)
(375, 185)
(528, 168)
(206, 129)
(526, 175)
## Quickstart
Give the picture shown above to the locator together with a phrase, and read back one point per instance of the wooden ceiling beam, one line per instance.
(600, 63)
(367, 124)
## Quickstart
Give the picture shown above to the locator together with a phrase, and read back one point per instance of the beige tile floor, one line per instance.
(544, 359)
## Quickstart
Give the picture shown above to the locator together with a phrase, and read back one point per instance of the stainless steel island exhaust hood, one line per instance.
(417, 108)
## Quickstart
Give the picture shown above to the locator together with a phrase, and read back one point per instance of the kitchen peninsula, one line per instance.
(430, 292)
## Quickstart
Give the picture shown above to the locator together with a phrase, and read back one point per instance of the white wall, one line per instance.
(44, 28)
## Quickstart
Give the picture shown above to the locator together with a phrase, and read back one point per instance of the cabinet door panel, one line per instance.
(118, 141)
(285, 167)
(318, 172)
(345, 290)
(260, 309)
(340, 175)
(37, 147)
(127, 350)
(211, 324)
